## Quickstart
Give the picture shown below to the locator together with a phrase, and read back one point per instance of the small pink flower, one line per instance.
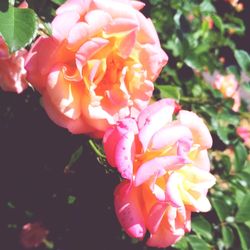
(243, 131)
(32, 235)
(228, 86)
(12, 72)
(23, 5)
(166, 164)
(209, 21)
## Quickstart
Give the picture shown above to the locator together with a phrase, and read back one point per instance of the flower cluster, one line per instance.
(166, 167)
(95, 75)
(228, 86)
(12, 71)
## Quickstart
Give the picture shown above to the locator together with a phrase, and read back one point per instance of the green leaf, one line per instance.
(59, 2)
(218, 22)
(168, 91)
(221, 208)
(197, 243)
(193, 61)
(71, 199)
(202, 227)
(243, 59)
(227, 235)
(234, 70)
(207, 6)
(182, 244)
(240, 156)
(243, 232)
(243, 213)
(18, 27)
(75, 156)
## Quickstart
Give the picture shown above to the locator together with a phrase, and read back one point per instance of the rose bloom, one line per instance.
(32, 235)
(228, 86)
(166, 165)
(243, 131)
(12, 72)
(98, 66)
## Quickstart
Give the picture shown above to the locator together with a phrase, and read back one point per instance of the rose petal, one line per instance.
(88, 49)
(169, 135)
(80, 6)
(74, 126)
(62, 24)
(155, 216)
(129, 211)
(201, 134)
(153, 118)
(157, 166)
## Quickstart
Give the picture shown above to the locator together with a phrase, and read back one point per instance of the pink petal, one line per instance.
(201, 134)
(153, 118)
(163, 238)
(202, 160)
(88, 49)
(118, 141)
(80, 6)
(124, 155)
(23, 5)
(147, 32)
(36, 60)
(172, 192)
(155, 217)
(64, 95)
(137, 4)
(153, 59)
(78, 126)
(77, 35)
(169, 136)
(157, 166)
(117, 9)
(127, 44)
(62, 24)
(129, 211)
(97, 20)
(121, 25)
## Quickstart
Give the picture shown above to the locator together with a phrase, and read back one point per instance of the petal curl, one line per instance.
(153, 118)
(201, 134)
(129, 211)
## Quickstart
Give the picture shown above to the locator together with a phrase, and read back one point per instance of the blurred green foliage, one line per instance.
(195, 37)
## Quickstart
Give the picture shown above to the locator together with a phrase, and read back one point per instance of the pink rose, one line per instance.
(12, 72)
(243, 131)
(32, 235)
(228, 86)
(167, 167)
(139, 210)
(99, 65)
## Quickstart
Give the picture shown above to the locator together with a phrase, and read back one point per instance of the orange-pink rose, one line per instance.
(166, 164)
(12, 71)
(228, 86)
(99, 65)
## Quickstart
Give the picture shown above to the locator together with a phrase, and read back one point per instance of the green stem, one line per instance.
(48, 244)
(194, 100)
(97, 151)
